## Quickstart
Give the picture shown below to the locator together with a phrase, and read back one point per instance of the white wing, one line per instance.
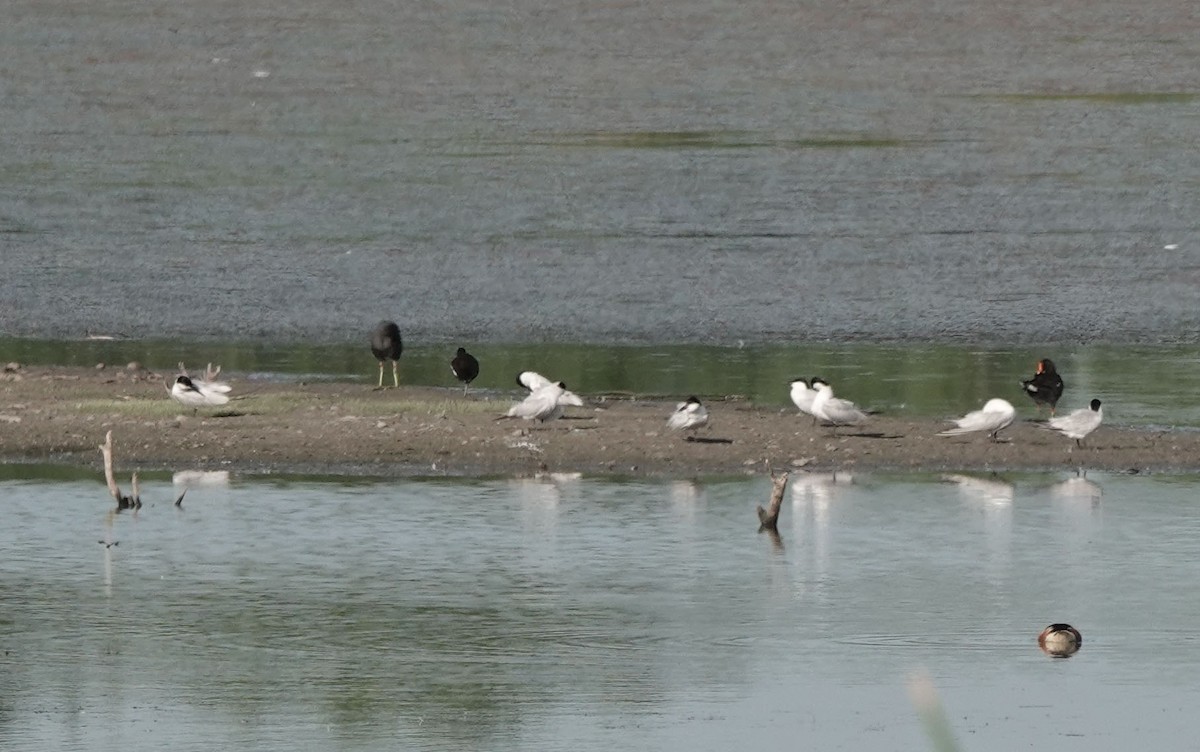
(198, 396)
(995, 415)
(541, 404)
(532, 380)
(842, 412)
(570, 398)
(213, 386)
(1079, 423)
(687, 415)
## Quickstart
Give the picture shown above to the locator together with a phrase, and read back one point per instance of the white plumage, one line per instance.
(1080, 423)
(802, 396)
(688, 415)
(532, 380)
(995, 415)
(198, 393)
(542, 404)
(837, 411)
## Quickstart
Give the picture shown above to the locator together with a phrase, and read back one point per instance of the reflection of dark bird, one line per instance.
(1046, 386)
(386, 345)
(465, 368)
(1060, 640)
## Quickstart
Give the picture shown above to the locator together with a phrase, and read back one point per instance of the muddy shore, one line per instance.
(61, 415)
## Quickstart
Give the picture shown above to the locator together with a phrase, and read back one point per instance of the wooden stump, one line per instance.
(769, 518)
(123, 501)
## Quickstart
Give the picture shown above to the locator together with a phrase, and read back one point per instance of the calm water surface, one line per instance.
(566, 613)
(701, 172)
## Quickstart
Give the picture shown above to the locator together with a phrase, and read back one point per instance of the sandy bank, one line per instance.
(61, 415)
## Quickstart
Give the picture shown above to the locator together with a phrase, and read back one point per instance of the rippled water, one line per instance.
(589, 172)
(566, 613)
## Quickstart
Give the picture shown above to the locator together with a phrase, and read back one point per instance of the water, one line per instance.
(566, 613)
(704, 173)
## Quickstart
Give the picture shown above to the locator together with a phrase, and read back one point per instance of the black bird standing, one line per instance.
(465, 368)
(386, 345)
(1046, 386)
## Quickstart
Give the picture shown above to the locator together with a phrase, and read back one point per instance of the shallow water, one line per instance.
(566, 613)
(928, 170)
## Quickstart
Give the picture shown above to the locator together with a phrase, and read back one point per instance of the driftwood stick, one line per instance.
(107, 450)
(769, 517)
(123, 501)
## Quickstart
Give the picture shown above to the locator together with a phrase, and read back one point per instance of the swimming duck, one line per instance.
(1060, 640)
(1046, 386)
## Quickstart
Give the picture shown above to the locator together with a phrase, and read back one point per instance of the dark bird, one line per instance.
(465, 368)
(1060, 640)
(386, 345)
(1046, 386)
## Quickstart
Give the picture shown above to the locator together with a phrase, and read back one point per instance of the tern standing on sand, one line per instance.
(995, 415)
(833, 410)
(689, 415)
(1080, 423)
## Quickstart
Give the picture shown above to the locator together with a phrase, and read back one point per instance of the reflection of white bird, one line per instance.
(197, 393)
(1080, 423)
(831, 409)
(1077, 488)
(802, 396)
(820, 486)
(201, 478)
(688, 416)
(995, 415)
(542, 404)
(993, 490)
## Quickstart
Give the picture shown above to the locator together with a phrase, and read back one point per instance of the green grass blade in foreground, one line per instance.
(928, 704)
